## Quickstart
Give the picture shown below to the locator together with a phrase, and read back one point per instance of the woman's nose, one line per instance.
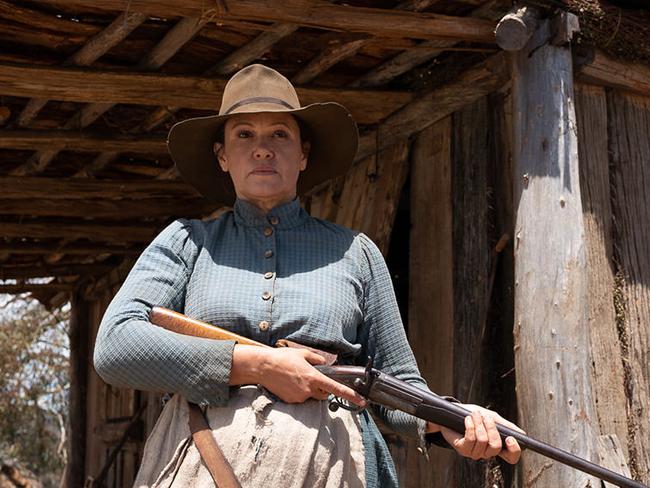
(262, 152)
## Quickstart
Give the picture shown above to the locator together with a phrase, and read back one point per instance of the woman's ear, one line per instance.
(306, 146)
(217, 148)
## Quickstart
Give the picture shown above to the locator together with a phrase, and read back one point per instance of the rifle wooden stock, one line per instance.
(181, 324)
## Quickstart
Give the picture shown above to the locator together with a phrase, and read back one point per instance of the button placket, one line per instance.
(268, 275)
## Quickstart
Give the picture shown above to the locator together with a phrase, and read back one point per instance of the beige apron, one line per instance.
(268, 443)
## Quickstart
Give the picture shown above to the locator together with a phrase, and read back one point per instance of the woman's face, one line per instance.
(264, 155)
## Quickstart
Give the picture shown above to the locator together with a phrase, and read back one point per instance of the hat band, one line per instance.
(248, 101)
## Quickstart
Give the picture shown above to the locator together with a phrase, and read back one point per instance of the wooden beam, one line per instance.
(317, 14)
(516, 27)
(12, 272)
(114, 233)
(186, 91)
(328, 58)
(18, 187)
(486, 77)
(36, 287)
(96, 47)
(598, 68)
(81, 141)
(79, 366)
(111, 209)
(38, 248)
(551, 330)
(39, 20)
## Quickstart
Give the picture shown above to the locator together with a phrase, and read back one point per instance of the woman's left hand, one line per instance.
(481, 439)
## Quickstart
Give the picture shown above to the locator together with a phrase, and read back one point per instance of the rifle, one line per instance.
(388, 391)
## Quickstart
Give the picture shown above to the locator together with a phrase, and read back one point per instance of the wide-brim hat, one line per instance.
(333, 134)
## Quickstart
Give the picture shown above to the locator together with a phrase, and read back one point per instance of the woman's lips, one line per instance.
(263, 171)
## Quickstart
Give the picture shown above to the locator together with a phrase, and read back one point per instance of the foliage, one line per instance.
(34, 384)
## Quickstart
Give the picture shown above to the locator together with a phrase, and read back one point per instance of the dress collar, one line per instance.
(284, 216)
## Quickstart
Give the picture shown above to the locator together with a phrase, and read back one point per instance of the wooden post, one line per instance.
(555, 393)
(516, 27)
(79, 364)
(431, 298)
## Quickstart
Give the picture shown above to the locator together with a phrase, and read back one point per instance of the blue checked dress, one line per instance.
(267, 277)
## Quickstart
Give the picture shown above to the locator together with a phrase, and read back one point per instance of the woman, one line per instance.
(267, 270)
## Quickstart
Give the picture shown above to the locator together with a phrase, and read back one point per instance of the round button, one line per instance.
(264, 325)
(268, 231)
(274, 220)
(268, 253)
(268, 275)
(266, 295)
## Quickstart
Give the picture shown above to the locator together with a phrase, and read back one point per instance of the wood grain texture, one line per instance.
(430, 107)
(81, 141)
(17, 187)
(629, 126)
(605, 351)
(554, 389)
(598, 68)
(114, 233)
(317, 14)
(431, 297)
(186, 91)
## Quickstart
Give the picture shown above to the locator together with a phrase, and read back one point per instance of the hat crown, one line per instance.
(258, 85)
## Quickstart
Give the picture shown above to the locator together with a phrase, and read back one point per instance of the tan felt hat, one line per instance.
(332, 131)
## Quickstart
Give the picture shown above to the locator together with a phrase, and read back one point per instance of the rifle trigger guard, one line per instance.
(335, 403)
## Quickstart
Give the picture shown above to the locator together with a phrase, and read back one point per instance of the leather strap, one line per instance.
(218, 466)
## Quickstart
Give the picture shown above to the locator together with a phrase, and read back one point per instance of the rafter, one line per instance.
(81, 141)
(476, 82)
(42, 270)
(27, 187)
(96, 47)
(39, 248)
(101, 232)
(367, 106)
(318, 14)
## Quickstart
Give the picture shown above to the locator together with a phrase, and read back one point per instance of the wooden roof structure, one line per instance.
(88, 91)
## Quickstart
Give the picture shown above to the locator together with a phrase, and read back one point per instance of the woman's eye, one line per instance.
(244, 134)
(280, 133)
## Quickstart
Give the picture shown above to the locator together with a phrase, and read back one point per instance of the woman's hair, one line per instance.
(305, 132)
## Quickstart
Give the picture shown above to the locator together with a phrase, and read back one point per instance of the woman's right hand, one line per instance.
(288, 373)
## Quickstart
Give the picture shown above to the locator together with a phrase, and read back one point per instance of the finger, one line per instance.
(494, 439)
(334, 387)
(320, 394)
(462, 444)
(312, 357)
(478, 451)
(506, 423)
(512, 452)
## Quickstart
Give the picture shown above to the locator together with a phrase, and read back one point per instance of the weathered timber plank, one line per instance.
(427, 109)
(156, 89)
(31, 248)
(318, 14)
(36, 287)
(371, 193)
(629, 146)
(81, 141)
(328, 58)
(431, 298)
(608, 380)
(18, 187)
(598, 68)
(114, 233)
(79, 360)
(114, 209)
(554, 388)
(96, 47)
(39, 20)
(471, 262)
(42, 270)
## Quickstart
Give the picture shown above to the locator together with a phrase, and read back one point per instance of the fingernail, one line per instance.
(510, 441)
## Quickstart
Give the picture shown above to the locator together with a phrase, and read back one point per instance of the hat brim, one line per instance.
(333, 136)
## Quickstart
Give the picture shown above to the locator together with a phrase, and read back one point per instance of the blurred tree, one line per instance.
(34, 360)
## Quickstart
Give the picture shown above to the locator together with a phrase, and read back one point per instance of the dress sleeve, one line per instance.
(383, 337)
(131, 352)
